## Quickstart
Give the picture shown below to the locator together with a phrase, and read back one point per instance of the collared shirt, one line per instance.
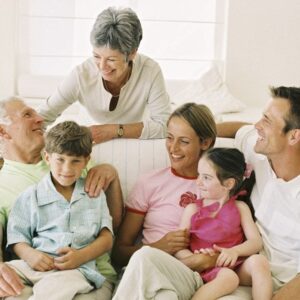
(277, 208)
(15, 177)
(44, 219)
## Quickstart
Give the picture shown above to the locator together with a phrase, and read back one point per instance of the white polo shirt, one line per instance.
(277, 209)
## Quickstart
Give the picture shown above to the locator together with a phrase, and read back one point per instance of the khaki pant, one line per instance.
(154, 274)
(64, 285)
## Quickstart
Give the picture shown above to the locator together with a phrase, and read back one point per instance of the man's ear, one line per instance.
(3, 132)
(294, 137)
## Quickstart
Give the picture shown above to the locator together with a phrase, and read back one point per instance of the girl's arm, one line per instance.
(252, 245)
(185, 224)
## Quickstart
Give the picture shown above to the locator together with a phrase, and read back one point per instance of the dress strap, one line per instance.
(240, 193)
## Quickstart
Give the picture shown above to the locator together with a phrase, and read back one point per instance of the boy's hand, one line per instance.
(227, 257)
(39, 261)
(69, 258)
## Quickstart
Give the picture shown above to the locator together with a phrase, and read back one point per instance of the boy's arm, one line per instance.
(73, 258)
(37, 260)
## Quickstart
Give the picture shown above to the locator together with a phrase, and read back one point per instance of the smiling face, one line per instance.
(184, 147)
(25, 131)
(65, 169)
(112, 64)
(272, 140)
(209, 184)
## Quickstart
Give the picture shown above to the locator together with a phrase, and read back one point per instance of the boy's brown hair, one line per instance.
(69, 138)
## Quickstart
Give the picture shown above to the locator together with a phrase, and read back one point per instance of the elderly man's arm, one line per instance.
(105, 176)
(10, 283)
(290, 290)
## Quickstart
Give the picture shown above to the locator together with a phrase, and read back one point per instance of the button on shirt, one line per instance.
(277, 208)
(45, 220)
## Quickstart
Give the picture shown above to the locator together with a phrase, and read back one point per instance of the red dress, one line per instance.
(224, 229)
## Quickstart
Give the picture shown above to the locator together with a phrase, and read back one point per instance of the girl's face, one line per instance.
(184, 147)
(209, 184)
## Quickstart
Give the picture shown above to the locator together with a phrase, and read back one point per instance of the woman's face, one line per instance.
(112, 63)
(184, 147)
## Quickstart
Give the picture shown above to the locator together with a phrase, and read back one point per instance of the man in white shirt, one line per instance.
(273, 148)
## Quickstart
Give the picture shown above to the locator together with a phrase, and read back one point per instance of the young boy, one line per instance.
(53, 222)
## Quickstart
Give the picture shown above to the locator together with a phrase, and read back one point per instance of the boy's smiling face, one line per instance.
(65, 169)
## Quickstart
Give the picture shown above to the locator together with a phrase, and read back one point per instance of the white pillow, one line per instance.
(210, 90)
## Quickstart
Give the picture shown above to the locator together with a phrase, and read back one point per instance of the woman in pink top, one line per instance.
(221, 222)
(154, 208)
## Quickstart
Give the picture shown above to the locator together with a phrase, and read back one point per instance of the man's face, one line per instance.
(272, 141)
(25, 130)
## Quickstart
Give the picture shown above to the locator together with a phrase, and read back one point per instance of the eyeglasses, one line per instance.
(113, 102)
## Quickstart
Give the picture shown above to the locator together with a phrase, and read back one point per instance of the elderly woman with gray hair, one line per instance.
(117, 86)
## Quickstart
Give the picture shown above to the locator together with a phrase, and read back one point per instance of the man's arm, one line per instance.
(229, 129)
(106, 177)
(290, 290)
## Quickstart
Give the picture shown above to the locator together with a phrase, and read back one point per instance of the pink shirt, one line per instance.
(157, 195)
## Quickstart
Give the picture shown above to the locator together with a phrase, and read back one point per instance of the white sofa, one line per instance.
(135, 157)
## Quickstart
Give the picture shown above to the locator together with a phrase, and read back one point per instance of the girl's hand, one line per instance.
(207, 251)
(227, 257)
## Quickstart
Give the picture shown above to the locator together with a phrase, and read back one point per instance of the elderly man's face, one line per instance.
(26, 127)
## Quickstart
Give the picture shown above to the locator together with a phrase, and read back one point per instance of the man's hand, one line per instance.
(10, 283)
(38, 260)
(69, 259)
(98, 178)
(173, 241)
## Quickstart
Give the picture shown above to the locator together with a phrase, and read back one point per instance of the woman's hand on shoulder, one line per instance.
(173, 241)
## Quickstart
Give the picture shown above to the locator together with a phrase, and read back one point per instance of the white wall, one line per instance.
(263, 47)
(7, 54)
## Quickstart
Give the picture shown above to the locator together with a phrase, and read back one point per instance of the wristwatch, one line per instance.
(120, 131)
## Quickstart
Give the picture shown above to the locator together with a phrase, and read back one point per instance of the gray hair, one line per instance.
(4, 119)
(118, 29)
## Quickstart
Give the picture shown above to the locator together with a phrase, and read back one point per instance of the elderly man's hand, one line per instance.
(10, 283)
(98, 178)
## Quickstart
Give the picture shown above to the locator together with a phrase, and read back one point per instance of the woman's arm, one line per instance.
(66, 93)
(107, 132)
(124, 245)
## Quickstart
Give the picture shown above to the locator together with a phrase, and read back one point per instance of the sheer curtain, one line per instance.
(185, 37)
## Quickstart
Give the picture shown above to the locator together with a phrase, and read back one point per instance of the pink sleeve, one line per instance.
(138, 198)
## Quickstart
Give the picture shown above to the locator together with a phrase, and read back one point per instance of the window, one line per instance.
(184, 37)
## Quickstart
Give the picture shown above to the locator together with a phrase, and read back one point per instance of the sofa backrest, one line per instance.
(132, 157)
